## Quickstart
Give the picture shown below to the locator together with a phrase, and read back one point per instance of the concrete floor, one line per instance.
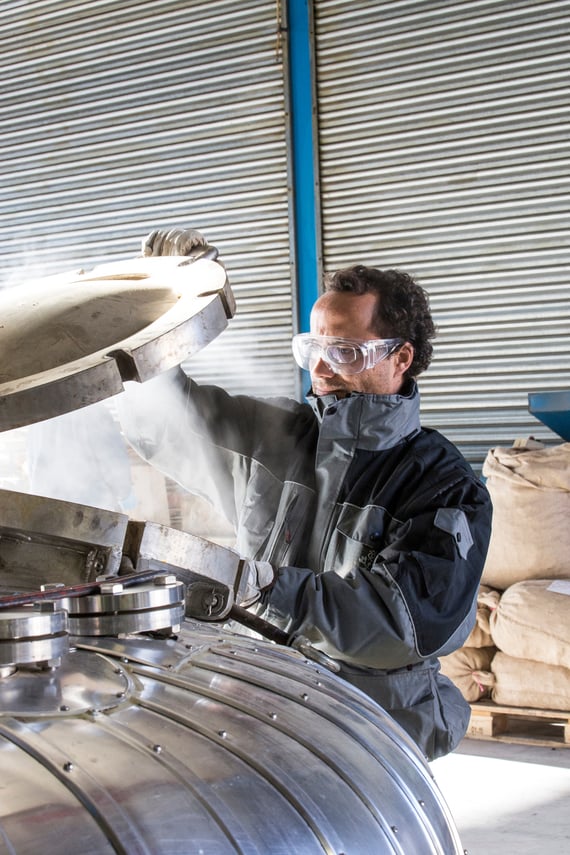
(508, 799)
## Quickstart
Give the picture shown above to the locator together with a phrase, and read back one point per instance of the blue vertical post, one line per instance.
(304, 156)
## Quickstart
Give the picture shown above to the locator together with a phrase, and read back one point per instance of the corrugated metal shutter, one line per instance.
(444, 151)
(118, 117)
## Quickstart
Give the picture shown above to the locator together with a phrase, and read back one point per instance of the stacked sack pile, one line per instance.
(519, 652)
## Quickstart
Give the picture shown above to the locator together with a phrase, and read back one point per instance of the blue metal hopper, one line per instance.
(553, 410)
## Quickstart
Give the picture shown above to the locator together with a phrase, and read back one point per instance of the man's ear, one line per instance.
(404, 357)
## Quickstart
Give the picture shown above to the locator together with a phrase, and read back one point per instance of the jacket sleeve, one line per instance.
(415, 599)
(208, 441)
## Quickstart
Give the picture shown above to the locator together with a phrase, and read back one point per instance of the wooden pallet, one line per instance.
(520, 725)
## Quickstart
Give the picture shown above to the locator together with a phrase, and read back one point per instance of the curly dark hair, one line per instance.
(402, 310)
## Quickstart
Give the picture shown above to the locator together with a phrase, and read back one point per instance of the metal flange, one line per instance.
(117, 611)
(33, 635)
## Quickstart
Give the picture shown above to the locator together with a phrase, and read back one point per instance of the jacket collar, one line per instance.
(374, 421)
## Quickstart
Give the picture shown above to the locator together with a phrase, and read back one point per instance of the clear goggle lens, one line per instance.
(342, 355)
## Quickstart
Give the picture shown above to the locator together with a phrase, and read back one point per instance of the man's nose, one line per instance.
(320, 368)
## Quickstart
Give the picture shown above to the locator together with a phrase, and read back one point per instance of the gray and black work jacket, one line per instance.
(378, 527)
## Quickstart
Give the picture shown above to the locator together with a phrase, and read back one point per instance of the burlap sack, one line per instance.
(532, 621)
(470, 669)
(530, 538)
(523, 683)
(487, 602)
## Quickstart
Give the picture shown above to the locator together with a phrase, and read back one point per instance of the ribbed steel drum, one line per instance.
(208, 742)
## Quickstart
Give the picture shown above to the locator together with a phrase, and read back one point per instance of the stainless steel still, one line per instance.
(125, 727)
(206, 743)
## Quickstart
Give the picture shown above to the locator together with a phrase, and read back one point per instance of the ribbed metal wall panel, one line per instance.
(118, 117)
(444, 133)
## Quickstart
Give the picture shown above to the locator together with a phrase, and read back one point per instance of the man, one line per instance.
(368, 532)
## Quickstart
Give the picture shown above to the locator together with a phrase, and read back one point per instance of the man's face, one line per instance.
(347, 315)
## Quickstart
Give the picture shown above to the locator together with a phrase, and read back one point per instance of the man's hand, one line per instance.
(257, 576)
(177, 241)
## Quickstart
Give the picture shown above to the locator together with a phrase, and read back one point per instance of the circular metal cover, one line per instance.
(68, 341)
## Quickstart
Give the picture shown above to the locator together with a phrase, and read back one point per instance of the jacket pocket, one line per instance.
(357, 538)
(291, 522)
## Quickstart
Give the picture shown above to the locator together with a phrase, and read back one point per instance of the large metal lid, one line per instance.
(68, 341)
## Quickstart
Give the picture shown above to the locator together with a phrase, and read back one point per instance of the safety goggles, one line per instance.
(342, 355)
